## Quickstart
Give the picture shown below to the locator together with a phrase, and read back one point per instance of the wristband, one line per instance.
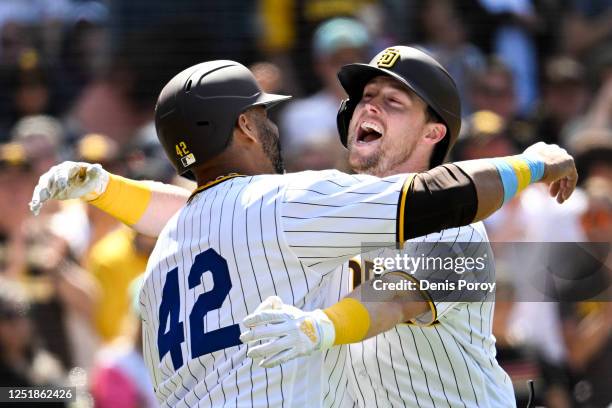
(351, 321)
(508, 178)
(517, 172)
(536, 166)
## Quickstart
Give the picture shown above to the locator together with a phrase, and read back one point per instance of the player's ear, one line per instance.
(433, 133)
(246, 125)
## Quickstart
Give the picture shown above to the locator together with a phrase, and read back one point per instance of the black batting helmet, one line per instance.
(419, 72)
(197, 110)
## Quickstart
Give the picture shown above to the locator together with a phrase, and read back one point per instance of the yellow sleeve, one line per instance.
(124, 199)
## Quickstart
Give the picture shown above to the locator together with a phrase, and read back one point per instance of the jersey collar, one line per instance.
(214, 182)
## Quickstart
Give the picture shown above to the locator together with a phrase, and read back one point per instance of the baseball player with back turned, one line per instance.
(446, 355)
(243, 238)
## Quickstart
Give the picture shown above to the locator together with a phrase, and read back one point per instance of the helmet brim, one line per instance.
(269, 100)
(354, 78)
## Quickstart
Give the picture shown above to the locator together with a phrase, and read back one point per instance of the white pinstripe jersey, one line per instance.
(450, 363)
(234, 244)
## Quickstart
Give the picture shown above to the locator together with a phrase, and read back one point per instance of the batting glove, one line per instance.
(293, 332)
(69, 180)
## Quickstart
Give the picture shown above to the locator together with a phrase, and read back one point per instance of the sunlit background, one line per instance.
(79, 79)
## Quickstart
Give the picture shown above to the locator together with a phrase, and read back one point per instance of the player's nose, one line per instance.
(372, 106)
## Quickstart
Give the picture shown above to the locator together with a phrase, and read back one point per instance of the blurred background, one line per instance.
(79, 79)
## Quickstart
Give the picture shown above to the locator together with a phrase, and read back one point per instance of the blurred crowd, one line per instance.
(79, 79)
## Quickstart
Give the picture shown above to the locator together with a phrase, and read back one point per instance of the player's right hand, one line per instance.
(559, 169)
(292, 332)
(69, 180)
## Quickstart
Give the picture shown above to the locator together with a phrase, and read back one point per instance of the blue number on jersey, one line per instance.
(201, 342)
(169, 309)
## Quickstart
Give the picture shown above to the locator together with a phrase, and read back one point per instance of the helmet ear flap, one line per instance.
(343, 119)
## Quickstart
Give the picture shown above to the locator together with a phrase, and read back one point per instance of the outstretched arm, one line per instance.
(448, 196)
(461, 193)
(146, 206)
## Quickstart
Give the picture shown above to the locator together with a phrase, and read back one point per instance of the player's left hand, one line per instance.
(559, 169)
(69, 180)
(292, 332)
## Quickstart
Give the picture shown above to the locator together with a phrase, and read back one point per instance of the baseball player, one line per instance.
(444, 356)
(242, 238)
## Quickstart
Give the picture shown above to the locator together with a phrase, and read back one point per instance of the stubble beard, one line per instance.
(377, 164)
(271, 146)
(366, 165)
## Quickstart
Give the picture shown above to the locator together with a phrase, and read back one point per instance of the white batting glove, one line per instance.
(293, 332)
(69, 180)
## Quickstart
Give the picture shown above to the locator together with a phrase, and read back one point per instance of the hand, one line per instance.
(294, 333)
(69, 180)
(559, 169)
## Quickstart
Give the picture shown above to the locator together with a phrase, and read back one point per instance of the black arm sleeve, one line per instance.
(443, 197)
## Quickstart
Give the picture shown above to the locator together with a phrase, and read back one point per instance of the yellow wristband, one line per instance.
(124, 199)
(351, 320)
(522, 171)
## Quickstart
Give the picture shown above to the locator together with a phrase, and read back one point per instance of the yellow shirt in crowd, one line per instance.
(114, 263)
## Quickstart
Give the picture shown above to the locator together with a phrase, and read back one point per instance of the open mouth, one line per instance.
(368, 132)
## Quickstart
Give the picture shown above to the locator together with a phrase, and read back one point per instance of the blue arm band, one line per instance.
(536, 167)
(508, 178)
(508, 172)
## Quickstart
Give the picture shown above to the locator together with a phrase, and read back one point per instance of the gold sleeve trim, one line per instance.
(355, 268)
(402, 209)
